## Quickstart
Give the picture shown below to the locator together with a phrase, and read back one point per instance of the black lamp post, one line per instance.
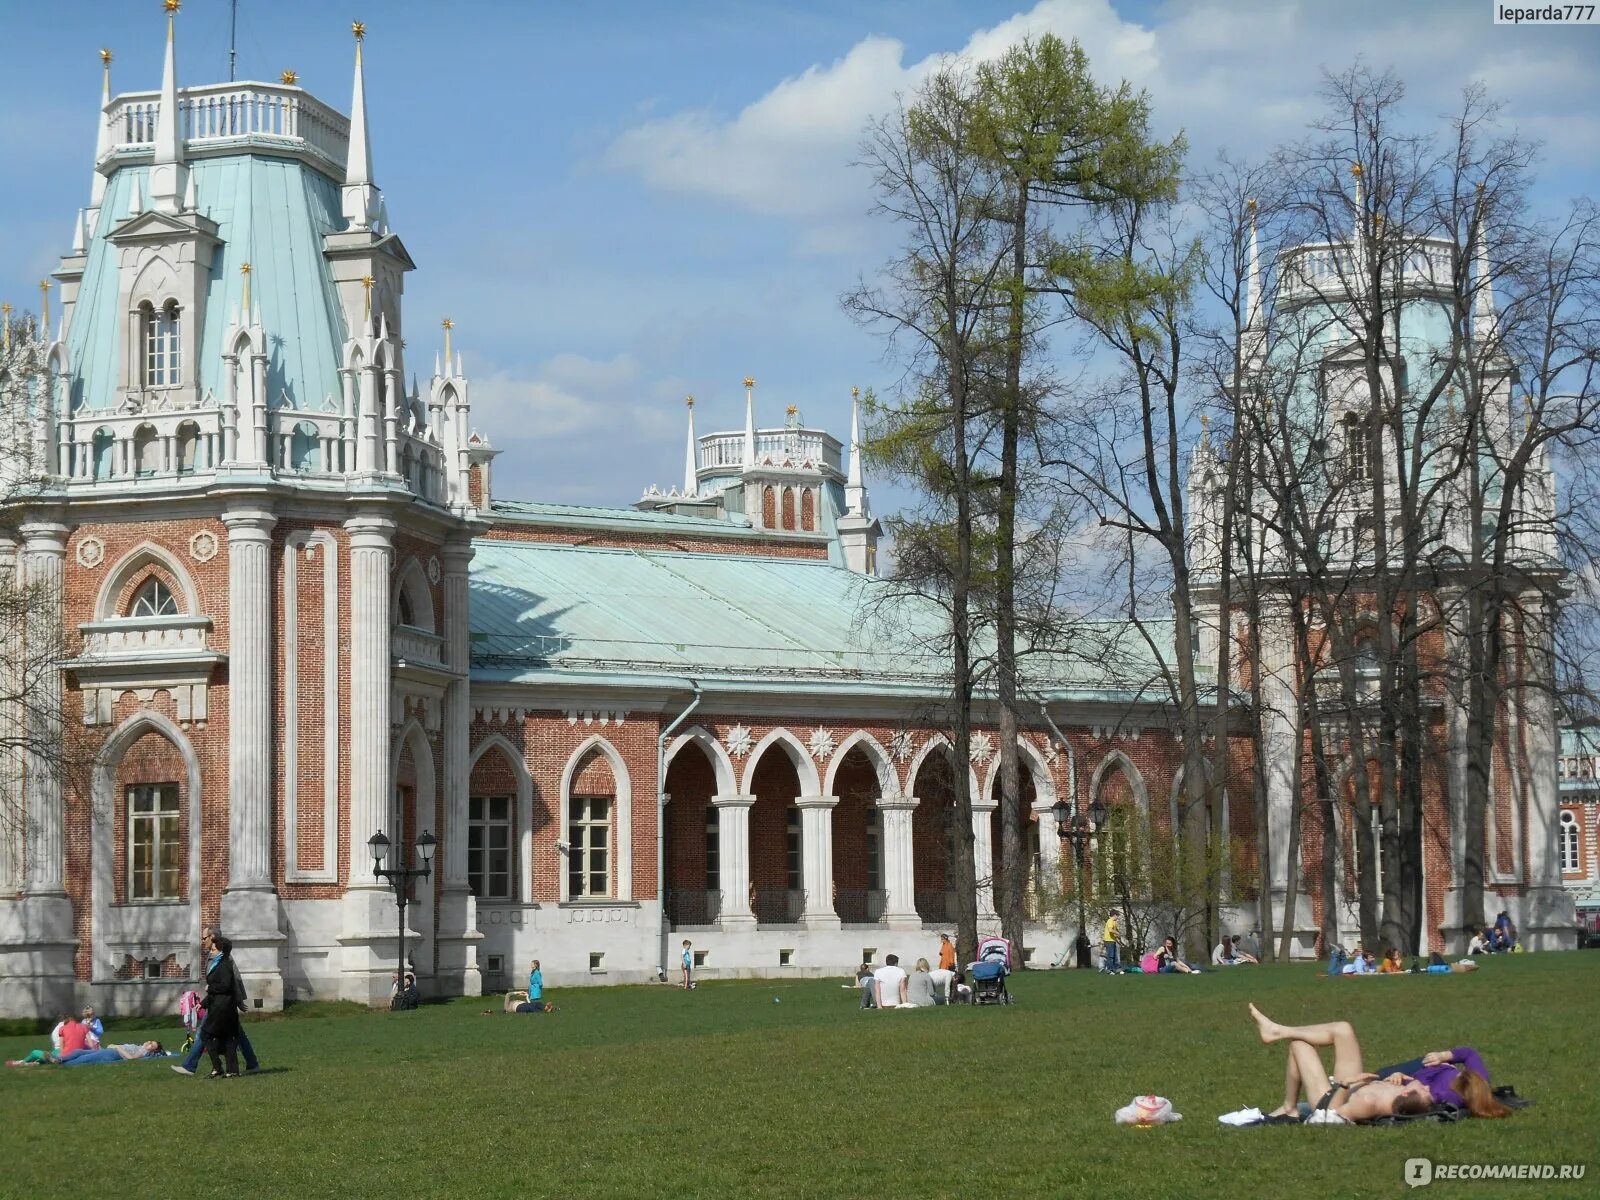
(401, 876)
(1079, 829)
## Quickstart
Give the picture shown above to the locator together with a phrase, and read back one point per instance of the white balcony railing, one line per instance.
(223, 115)
(416, 645)
(1329, 270)
(147, 639)
(720, 451)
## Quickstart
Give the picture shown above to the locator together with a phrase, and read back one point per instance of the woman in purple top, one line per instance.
(1457, 1077)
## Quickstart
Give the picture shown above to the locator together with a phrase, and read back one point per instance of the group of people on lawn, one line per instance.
(76, 1041)
(890, 986)
(1166, 959)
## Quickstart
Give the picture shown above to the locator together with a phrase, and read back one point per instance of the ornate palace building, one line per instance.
(298, 613)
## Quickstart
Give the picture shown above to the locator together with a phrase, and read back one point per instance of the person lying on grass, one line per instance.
(126, 1052)
(1352, 1094)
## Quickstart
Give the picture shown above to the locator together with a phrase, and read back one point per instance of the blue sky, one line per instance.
(620, 203)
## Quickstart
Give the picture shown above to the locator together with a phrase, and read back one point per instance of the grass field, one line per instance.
(651, 1091)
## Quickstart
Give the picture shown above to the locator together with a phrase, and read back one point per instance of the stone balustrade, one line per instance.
(226, 116)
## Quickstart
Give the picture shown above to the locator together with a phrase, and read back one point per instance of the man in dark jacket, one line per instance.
(224, 1000)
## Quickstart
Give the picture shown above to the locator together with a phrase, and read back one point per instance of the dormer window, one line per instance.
(154, 599)
(163, 356)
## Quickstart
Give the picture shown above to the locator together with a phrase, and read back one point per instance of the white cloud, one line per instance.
(1242, 74)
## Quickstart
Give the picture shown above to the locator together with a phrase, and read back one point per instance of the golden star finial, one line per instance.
(171, 6)
(367, 281)
(1355, 169)
(44, 285)
(1250, 206)
(105, 57)
(855, 393)
(359, 28)
(791, 410)
(1205, 422)
(290, 77)
(749, 381)
(689, 401)
(447, 323)
(244, 268)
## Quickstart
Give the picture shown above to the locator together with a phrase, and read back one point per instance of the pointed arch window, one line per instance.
(1570, 858)
(154, 599)
(162, 336)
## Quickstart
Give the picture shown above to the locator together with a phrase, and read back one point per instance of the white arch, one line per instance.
(623, 873)
(524, 778)
(928, 748)
(721, 763)
(1141, 794)
(1033, 761)
(143, 555)
(882, 763)
(411, 581)
(163, 925)
(804, 766)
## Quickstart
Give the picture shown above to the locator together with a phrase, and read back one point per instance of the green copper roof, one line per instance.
(272, 213)
(543, 611)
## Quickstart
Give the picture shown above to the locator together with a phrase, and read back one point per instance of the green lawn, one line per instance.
(643, 1092)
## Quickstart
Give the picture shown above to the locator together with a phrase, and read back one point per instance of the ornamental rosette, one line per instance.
(982, 748)
(821, 743)
(901, 745)
(738, 741)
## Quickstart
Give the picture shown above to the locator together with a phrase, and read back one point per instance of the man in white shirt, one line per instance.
(944, 981)
(891, 982)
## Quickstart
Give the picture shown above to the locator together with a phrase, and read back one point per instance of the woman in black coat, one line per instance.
(224, 999)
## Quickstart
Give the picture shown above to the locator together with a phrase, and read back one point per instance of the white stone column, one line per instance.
(1049, 846)
(250, 913)
(44, 552)
(12, 877)
(250, 644)
(983, 857)
(816, 861)
(458, 919)
(371, 563)
(899, 862)
(1281, 732)
(1549, 921)
(37, 937)
(367, 449)
(370, 922)
(733, 859)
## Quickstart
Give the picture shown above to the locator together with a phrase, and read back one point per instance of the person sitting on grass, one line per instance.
(921, 992)
(1391, 964)
(1480, 943)
(891, 981)
(1170, 962)
(1240, 955)
(867, 985)
(1222, 953)
(1347, 1095)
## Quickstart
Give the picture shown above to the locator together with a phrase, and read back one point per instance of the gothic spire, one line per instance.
(359, 195)
(855, 488)
(102, 143)
(1253, 288)
(167, 174)
(691, 483)
(749, 422)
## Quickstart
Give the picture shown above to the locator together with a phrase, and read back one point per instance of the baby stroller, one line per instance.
(988, 973)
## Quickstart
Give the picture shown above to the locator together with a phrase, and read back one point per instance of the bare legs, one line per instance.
(1303, 1072)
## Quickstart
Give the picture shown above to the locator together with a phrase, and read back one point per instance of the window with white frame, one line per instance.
(874, 851)
(163, 356)
(154, 855)
(589, 850)
(489, 858)
(1570, 858)
(1357, 448)
(713, 852)
(792, 847)
(154, 599)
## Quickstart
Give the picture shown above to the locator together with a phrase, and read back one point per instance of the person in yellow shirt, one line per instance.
(1391, 964)
(1108, 948)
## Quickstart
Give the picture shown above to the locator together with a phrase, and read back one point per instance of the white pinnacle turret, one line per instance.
(749, 423)
(691, 481)
(167, 174)
(102, 144)
(360, 197)
(855, 488)
(1483, 310)
(1253, 279)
